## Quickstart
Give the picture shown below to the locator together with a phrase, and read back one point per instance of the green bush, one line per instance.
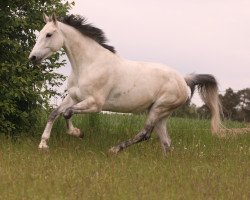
(24, 89)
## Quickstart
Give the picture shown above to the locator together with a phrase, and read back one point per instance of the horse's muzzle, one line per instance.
(35, 60)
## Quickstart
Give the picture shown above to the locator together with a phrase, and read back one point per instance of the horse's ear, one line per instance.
(54, 18)
(45, 18)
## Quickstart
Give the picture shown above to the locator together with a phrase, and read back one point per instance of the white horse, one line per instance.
(102, 80)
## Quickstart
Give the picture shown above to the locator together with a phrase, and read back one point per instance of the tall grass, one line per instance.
(199, 167)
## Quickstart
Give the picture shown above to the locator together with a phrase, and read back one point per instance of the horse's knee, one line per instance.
(68, 113)
(53, 115)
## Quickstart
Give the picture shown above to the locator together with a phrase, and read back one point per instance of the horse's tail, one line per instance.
(208, 89)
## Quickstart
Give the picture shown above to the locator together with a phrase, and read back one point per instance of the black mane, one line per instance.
(80, 23)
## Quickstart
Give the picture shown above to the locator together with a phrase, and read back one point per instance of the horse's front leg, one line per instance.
(72, 130)
(89, 105)
(67, 102)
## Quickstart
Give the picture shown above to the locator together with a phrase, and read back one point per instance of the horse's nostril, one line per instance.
(33, 58)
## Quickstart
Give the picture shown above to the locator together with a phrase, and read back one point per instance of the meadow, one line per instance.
(200, 166)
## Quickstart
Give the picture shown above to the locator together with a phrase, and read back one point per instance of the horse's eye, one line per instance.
(48, 35)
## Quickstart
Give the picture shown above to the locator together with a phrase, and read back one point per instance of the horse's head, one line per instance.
(49, 41)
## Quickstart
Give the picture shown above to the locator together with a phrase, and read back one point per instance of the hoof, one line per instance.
(76, 132)
(114, 150)
(166, 148)
(81, 136)
(167, 151)
(68, 113)
(43, 146)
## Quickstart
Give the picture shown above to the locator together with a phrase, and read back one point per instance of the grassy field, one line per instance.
(199, 167)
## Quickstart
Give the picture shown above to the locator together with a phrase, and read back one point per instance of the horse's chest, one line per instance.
(75, 92)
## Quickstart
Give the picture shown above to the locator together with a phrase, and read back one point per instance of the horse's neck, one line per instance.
(81, 50)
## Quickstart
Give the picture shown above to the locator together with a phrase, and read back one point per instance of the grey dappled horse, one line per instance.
(102, 80)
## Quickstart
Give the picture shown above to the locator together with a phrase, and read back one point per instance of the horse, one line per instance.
(101, 80)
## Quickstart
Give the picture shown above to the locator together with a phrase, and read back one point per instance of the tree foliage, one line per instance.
(188, 110)
(23, 87)
(236, 105)
(229, 101)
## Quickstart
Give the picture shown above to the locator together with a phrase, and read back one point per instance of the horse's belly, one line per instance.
(124, 107)
(127, 103)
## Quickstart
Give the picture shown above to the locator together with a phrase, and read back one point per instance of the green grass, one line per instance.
(199, 167)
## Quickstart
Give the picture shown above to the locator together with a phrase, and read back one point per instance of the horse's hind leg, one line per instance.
(144, 134)
(161, 130)
(72, 130)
